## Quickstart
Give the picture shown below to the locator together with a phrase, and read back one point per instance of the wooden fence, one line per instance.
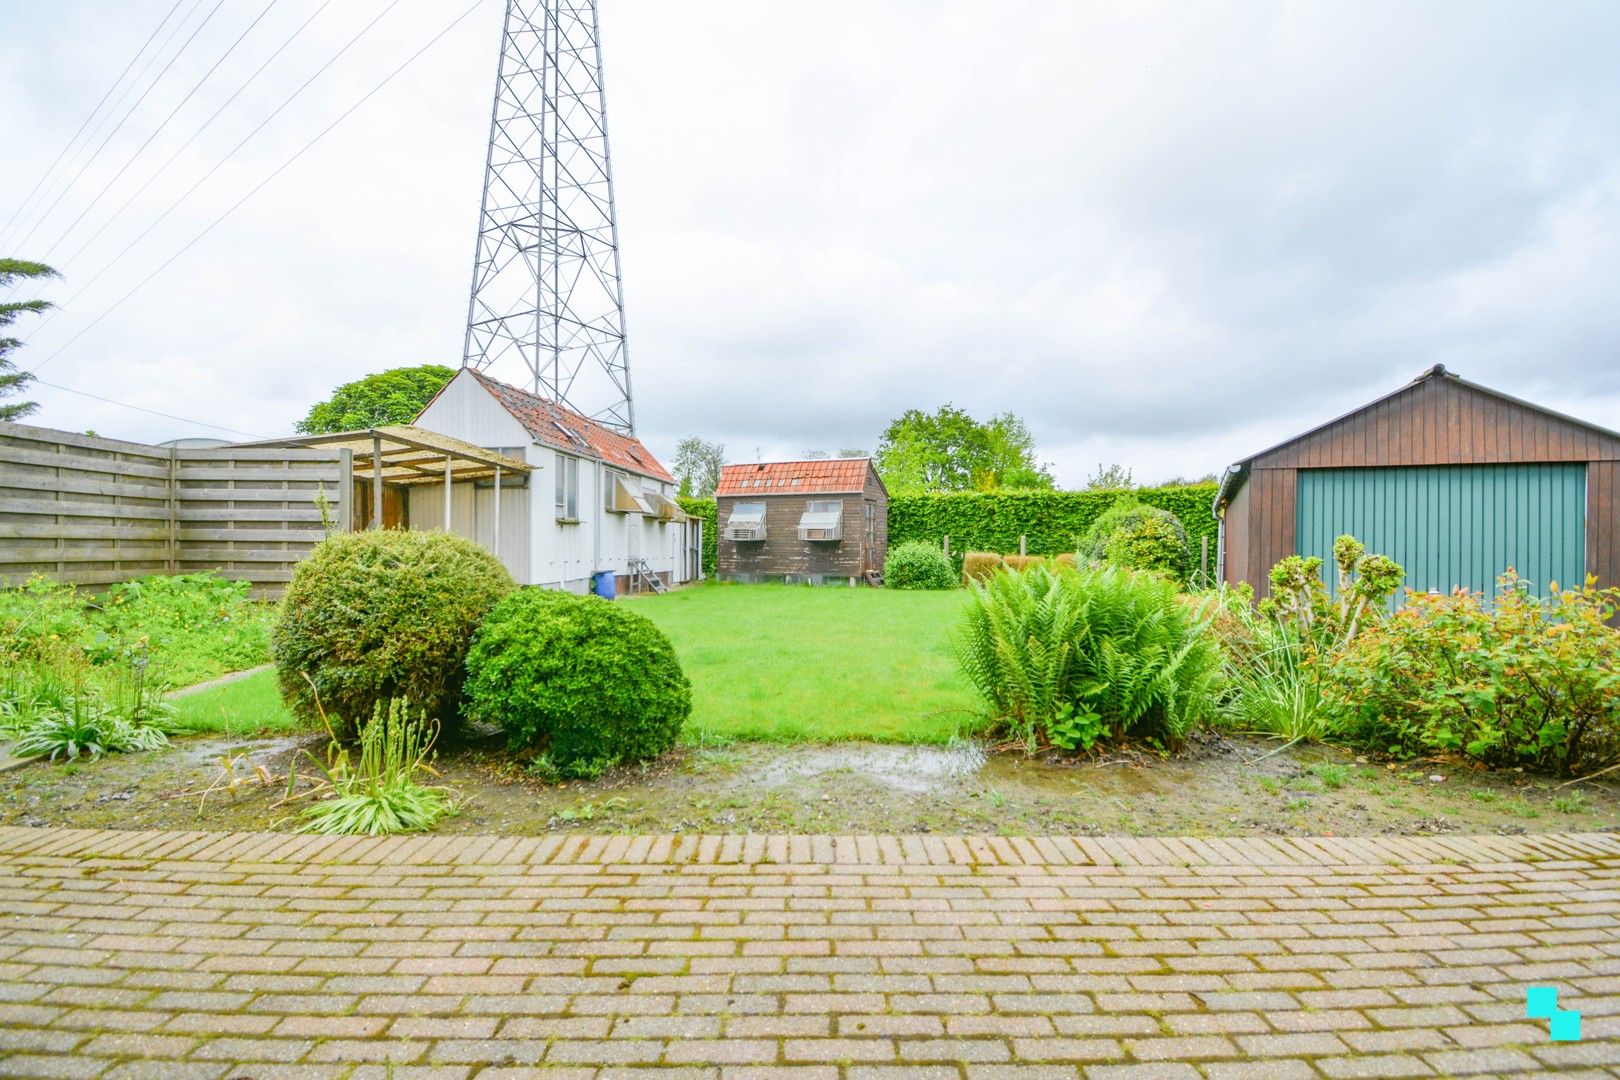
(94, 511)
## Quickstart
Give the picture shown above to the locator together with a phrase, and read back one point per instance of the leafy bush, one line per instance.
(187, 627)
(705, 511)
(1526, 681)
(1068, 657)
(1141, 537)
(379, 794)
(375, 615)
(918, 565)
(588, 682)
(1366, 584)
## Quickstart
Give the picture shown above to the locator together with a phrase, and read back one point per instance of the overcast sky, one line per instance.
(1168, 235)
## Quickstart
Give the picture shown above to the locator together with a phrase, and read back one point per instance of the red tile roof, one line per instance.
(825, 476)
(563, 429)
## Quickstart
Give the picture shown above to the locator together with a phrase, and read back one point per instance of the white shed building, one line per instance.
(596, 501)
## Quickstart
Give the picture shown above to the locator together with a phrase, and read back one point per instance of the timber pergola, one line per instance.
(405, 455)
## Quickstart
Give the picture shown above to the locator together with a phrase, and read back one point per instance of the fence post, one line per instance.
(1022, 546)
(1203, 560)
(947, 545)
(173, 510)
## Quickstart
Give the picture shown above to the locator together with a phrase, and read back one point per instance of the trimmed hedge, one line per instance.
(1053, 521)
(706, 510)
(379, 614)
(590, 682)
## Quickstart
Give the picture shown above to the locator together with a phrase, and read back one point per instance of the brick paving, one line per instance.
(255, 955)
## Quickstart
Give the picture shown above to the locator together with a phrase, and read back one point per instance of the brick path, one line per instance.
(212, 955)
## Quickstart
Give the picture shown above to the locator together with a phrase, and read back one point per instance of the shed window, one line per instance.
(567, 488)
(747, 522)
(823, 519)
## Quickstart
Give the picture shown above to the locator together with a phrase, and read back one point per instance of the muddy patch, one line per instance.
(1216, 787)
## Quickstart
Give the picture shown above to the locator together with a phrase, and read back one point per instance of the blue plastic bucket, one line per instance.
(603, 585)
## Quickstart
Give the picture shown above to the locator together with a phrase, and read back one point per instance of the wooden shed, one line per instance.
(1453, 480)
(818, 522)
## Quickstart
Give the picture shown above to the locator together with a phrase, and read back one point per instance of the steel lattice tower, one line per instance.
(546, 284)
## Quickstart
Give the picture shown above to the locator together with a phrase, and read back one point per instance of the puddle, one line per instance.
(916, 770)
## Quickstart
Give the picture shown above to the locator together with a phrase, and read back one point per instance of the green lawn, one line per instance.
(768, 662)
(800, 664)
(248, 706)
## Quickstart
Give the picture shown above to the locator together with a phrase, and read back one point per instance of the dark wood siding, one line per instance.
(783, 554)
(1438, 420)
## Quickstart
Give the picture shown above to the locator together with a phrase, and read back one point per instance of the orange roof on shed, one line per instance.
(823, 476)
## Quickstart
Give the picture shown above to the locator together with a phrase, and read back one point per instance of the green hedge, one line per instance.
(703, 508)
(1052, 520)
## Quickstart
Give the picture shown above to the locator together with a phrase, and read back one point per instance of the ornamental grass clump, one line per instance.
(377, 793)
(581, 680)
(374, 615)
(1068, 658)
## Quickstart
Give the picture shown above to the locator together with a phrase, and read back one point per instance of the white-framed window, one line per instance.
(823, 519)
(567, 488)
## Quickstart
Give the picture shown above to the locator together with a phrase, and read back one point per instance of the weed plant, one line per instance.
(376, 793)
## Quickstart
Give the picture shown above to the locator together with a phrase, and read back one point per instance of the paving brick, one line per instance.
(840, 958)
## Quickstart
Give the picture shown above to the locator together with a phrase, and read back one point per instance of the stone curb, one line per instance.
(807, 850)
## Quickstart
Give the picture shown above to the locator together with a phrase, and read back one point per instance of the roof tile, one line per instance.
(824, 476)
(566, 430)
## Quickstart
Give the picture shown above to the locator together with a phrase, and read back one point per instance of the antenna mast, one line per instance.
(547, 289)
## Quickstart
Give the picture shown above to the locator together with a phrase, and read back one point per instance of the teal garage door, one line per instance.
(1452, 525)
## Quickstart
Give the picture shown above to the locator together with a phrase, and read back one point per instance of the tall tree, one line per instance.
(1110, 478)
(697, 466)
(948, 450)
(394, 396)
(13, 380)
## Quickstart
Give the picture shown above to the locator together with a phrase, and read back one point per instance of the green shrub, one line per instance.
(918, 565)
(1523, 682)
(378, 795)
(1299, 597)
(375, 615)
(87, 728)
(1140, 537)
(705, 511)
(1068, 657)
(587, 682)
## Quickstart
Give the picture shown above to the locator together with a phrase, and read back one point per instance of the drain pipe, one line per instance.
(596, 522)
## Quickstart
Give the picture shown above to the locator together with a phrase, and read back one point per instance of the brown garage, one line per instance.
(1455, 481)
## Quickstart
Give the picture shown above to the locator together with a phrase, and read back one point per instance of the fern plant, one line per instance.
(1067, 657)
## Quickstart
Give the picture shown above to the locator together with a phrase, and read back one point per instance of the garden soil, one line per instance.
(1216, 786)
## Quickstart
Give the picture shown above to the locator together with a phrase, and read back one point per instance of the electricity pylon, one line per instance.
(546, 288)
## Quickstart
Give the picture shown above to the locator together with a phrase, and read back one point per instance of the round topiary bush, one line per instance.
(588, 682)
(1141, 537)
(917, 564)
(375, 615)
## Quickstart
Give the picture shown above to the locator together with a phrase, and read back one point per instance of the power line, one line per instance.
(50, 169)
(120, 125)
(97, 276)
(153, 412)
(116, 214)
(282, 168)
(157, 131)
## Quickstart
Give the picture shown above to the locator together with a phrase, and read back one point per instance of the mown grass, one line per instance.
(784, 663)
(248, 706)
(772, 663)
